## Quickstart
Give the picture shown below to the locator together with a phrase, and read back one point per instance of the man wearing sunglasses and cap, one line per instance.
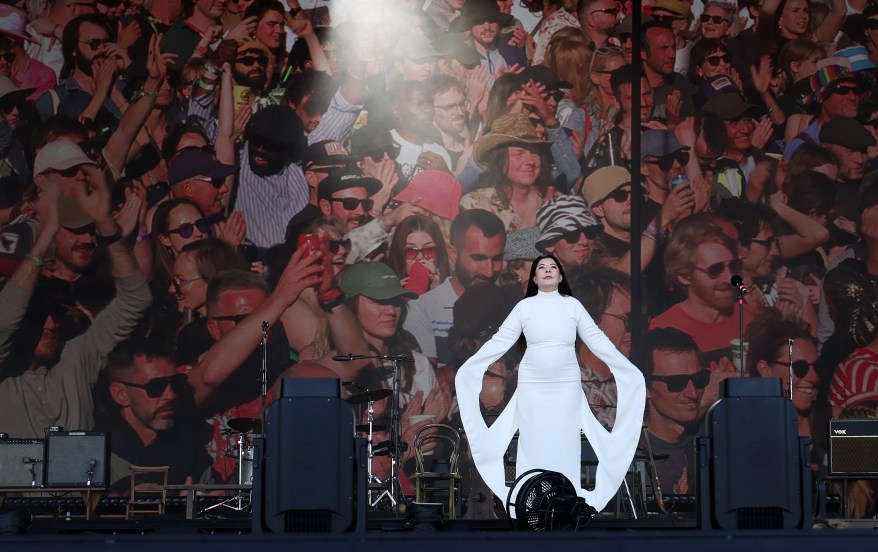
(663, 158)
(196, 175)
(675, 384)
(598, 20)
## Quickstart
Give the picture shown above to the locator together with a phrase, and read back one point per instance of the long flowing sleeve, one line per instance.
(615, 450)
(487, 444)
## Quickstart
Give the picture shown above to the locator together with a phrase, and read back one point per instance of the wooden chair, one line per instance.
(147, 496)
(438, 486)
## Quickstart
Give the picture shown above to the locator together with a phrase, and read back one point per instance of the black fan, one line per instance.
(547, 502)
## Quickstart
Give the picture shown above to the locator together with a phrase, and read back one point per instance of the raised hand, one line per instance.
(302, 272)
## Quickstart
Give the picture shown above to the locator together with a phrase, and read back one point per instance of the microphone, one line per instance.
(92, 462)
(26, 460)
(342, 358)
(738, 284)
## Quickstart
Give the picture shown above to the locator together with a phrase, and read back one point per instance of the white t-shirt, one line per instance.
(409, 153)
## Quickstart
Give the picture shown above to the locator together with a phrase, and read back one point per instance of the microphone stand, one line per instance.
(741, 292)
(790, 341)
(264, 372)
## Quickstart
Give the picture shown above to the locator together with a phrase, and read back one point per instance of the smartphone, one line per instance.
(419, 279)
(309, 241)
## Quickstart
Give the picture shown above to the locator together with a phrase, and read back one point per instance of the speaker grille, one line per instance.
(854, 455)
(14, 472)
(308, 521)
(69, 457)
(760, 518)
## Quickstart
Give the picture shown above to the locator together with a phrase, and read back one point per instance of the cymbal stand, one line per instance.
(395, 436)
(239, 502)
(372, 477)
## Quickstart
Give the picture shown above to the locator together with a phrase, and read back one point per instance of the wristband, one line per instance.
(330, 299)
(109, 240)
(36, 261)
(201, 50)
(204, 86)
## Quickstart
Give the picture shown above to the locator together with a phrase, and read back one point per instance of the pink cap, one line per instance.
(439, 193)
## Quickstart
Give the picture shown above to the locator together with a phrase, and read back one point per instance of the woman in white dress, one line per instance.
(549, 408)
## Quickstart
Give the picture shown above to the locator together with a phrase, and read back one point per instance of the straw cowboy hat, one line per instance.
(514, 129)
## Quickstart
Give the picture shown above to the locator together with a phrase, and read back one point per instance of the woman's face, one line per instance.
(548, 275)
(804, 384)
(337, 248)
(795, 17)
(806, 67)
(181, 220)
(379, 319)
(716, 63)
(270, 29)
(9, 115)
(420, 247)
(188, 286)
(523, 167)
(713, 27)
(165, 94)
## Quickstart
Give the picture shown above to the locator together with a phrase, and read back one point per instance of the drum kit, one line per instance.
(241, 431)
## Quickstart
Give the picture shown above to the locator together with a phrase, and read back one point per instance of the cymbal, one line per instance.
(364, 428)
(369, 396)
(246, 425)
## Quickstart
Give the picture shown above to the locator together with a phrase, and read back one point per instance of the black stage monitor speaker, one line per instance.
(753, 469)
(77, 459)
(21, 462)
(310, 476)
(853, 447)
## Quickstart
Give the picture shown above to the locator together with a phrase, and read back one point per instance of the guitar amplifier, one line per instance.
(853, 446)
(17, 457)
(77, 459)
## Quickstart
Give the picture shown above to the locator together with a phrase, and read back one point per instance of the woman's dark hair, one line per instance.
(164, 259)
(699, 53)
(563, 287)
(414, 223)
(812, 191)
(770, 333)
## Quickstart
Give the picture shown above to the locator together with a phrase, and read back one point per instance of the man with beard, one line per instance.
(483, 21)
(271, 186)
(701, 259)
(250, 67)
(57, 386)
(91, 60)
(450, 110)
(567, 230)
(476, 251)
(849, 141)
(659, 56)
(598, 20)
(413, 120)
(154, 424)
(675, 384)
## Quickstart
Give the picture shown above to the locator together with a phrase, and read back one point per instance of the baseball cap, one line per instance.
(60, 155)
(15, 241)
(373, 280)
(327, 153)
(729, 105)
(344, 178)
(280, 125)
(603, 182)
(846, 132)
(194, 162)
(658, 143)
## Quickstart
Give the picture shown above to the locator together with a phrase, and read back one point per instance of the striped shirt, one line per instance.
(855, 380)
(269, 202)
(338, 120)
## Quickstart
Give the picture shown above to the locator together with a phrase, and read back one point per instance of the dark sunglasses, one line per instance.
(680, 382)
(216, 182)
(8, 56)
(205, 148)
(620, 196)
(96, 43)
(351, 203)
(236, 318)
(8, 107)
(842, 89)
(765, 243)
(716, 270)
(411, 253)
(251, 60)
(591, 233)
(666, 162)
(155, 388)
(69, 172)
(336, 245)
(716, 60)
(800, 367)
(715, 19)
(870, 23)
(186, 230)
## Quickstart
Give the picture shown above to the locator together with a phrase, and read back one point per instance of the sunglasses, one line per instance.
(351, 203)
(800, 367)
(591, 233)
(870, 23)
(186, 230)
(96, 43)
(252, 60)
(236, 318)
(842, 89)
(666, 162)
(412, 253)
(620, 196)
(8, 107)
(206, 148)
(716, 60)
(608, 11)
(625, 318)
(715, 19)
(765, 243)
(716, 270)
(680, 382)
(8, 56)
(69, 172)
(156, 387)
(216, 182)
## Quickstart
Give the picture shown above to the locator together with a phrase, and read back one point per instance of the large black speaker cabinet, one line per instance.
(310, 471)
(17, 458)
(753, 469)
(853, 447)
(77, 459)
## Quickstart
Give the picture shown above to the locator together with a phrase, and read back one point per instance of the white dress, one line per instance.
(549, 407)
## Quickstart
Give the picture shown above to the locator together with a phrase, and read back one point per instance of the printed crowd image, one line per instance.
(375, 178)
